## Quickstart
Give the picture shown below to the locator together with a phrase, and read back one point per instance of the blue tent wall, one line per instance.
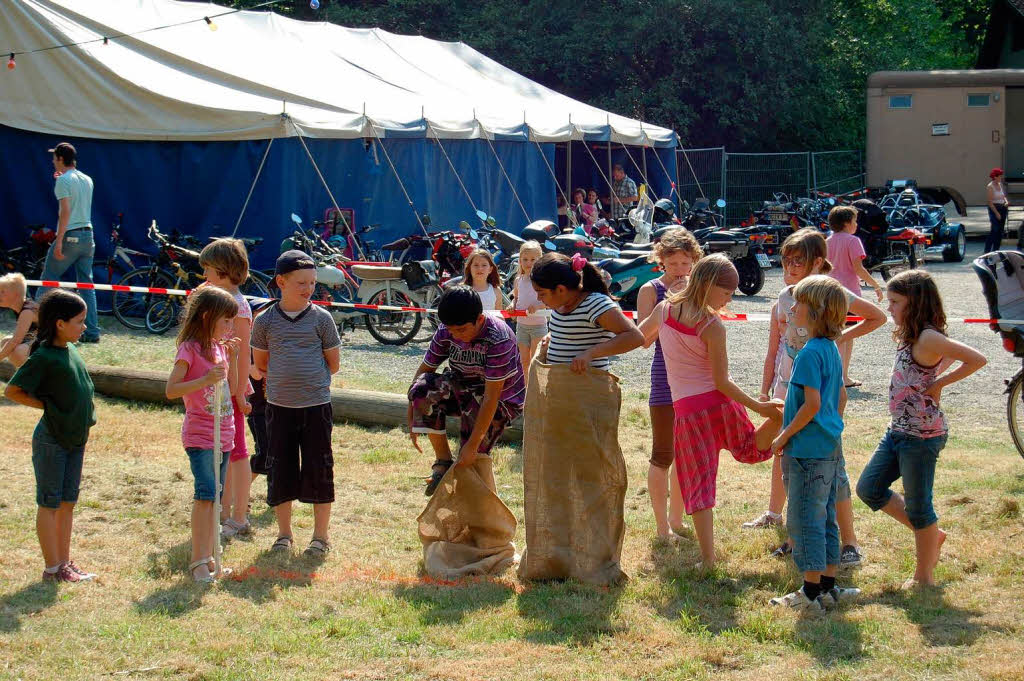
(199, 187)
(586, 174)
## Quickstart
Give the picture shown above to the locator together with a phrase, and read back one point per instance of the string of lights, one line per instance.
(209, 20)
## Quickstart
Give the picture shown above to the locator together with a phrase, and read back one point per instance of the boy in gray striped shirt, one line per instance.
(297, 347)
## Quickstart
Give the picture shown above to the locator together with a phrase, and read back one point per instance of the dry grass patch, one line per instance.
(367, 614)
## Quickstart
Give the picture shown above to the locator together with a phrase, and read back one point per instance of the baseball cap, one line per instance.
(292, 260)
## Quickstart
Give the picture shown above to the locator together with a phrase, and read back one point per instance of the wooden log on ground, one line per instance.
(365, 407)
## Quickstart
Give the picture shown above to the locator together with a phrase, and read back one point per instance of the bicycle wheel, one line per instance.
(162, 315)
(1015, 411)
(430, 297)
(255, 285)
(393, 328)
(130, 308)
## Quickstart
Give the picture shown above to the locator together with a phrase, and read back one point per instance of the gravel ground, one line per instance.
(368, 365)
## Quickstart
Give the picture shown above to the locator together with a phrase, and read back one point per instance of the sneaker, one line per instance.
(837, 595)
(82, 574)
(799, 601)
(782, 551)
(764, 521)
(89, 339)
(850, 557)
(63, 574)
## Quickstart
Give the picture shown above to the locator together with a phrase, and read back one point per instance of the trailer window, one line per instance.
(900, 101)
(978, 99)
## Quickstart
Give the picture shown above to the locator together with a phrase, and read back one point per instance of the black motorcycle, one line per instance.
(889, 248)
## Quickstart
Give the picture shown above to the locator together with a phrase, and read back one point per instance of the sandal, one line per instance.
(282, 544)
(318, 548)
(435, 476)
(208, 578)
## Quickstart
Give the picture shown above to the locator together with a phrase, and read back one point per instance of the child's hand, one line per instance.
(467, 454)
(769, 408)
(231, 345)
(412, 434)
(255, 373)
(246, 408)
(216, 374)
(533, 309)
(580, 364)
(878, 293)
(934, 392)
(779, 444)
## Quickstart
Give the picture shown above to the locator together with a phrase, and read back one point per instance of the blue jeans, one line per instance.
(843, 491)
(78, 250)
(58, 469)
(900, 455)
(811, 516)
(201, 462)
(997, 223)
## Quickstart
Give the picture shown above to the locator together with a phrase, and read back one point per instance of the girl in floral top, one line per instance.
(917, 433)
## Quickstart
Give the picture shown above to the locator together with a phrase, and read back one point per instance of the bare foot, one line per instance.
(938, 548)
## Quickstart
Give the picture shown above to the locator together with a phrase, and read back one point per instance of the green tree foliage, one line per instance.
(757, 75)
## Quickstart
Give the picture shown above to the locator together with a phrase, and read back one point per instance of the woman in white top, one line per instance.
(998, 209)
(482, 274)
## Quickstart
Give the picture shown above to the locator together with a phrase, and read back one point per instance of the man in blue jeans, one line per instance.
(74, 245)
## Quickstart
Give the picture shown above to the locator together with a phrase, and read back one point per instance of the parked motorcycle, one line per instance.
(889, 248)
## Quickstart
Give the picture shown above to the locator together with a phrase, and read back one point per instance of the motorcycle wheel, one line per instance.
(393, 328)
(751, 276)
(957, 250)
(628, 301)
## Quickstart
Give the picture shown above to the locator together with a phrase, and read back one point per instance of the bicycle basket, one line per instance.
(1002, 282)
(419, 274)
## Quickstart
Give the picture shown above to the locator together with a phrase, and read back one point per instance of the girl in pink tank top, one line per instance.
(709, 407)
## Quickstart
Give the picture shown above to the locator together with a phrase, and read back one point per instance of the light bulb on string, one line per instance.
(314, 4)
(209, 22)
(10, 63)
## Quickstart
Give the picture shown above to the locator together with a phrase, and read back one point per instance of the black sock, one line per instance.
(811, 590)
(827, 583)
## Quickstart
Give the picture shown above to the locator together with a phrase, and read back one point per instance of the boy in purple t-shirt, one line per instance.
(483, 383)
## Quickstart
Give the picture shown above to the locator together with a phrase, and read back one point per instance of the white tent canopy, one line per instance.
(190, 83)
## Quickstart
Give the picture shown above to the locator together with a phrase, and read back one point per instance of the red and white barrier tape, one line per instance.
(738, 317)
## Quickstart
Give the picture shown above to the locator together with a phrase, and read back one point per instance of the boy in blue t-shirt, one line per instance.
(811, 440)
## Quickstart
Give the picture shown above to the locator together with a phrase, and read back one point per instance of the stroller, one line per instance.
(1002, 282)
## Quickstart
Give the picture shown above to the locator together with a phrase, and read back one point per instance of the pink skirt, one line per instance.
(706, 424)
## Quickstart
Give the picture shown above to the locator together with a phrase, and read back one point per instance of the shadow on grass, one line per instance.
(940, 622)
(440, 604)
(829, 637)
(568, 612)
(28, 600)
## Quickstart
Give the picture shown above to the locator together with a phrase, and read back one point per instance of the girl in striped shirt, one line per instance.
(586, 327)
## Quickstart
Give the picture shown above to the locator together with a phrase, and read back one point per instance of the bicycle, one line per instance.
(114, 267)
(173, 267)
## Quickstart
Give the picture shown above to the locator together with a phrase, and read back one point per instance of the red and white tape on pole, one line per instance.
(738, 317)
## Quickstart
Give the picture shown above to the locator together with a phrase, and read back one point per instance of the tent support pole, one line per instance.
(611, 198)
(334, 201)
(451, 165)
(507, 178)
(252, 187)
(611, 190)
(568, 164)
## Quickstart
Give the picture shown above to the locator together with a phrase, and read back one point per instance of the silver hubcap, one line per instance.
(961, 243)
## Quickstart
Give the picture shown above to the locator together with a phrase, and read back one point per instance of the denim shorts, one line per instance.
(201, 461)
(528, 333)
(811, 516)
(900, 455)
(843, 492)
(58, 469)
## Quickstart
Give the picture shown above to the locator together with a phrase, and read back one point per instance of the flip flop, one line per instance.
(854, 384)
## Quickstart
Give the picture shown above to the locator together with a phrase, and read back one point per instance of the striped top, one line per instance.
(491, 356)
(297, 373)
(661, 394)
(575, 332)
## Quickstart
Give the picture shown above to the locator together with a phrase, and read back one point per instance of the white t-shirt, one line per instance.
(576, 332)
(489, 298)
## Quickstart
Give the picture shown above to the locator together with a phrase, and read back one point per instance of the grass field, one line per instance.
(366, 613)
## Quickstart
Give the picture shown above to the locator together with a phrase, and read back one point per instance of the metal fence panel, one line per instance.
(837, 172)
(700, 172)
(754, 178)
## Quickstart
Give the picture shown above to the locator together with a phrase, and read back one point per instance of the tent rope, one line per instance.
(553, 176)
(334, 202)
(252, 187)
(507, 178)
(664, 169)
(692, 172)
(451, 165)
(638, 170)
(401, 184)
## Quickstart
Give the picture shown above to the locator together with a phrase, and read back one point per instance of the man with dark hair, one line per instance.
(74, 245)
(624, 192)
(483, 383)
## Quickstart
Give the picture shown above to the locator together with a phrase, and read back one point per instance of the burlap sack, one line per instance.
(574, 476)
(465, 528)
